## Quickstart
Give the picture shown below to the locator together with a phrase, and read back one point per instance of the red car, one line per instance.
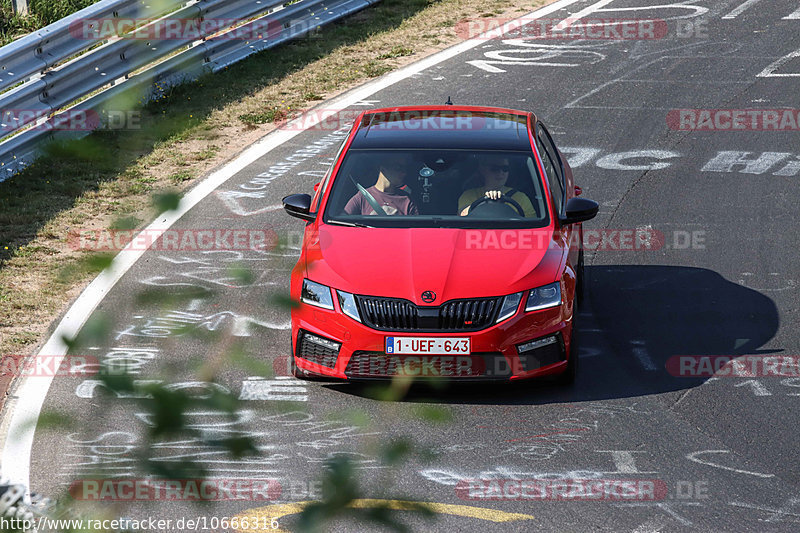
(444, 242)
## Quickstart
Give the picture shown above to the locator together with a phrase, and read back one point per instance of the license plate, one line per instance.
(427, 345)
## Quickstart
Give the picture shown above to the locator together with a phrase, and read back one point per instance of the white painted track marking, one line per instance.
(775, 515)
(741, 9)
(16, 428)
(693, 457)
(769, 72)
(793, 16)
(572, 19)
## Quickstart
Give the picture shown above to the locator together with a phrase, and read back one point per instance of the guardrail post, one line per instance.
(20, 7)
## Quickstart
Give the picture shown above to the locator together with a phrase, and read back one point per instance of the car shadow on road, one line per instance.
(636, 322)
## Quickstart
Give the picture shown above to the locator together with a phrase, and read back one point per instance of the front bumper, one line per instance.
(494, 353)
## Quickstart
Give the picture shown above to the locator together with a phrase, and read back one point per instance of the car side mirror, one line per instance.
(580, 210)
(298, 206)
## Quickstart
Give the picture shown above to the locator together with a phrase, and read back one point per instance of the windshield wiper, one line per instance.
(351, 224)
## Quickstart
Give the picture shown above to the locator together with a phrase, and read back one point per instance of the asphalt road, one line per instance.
(724, 283)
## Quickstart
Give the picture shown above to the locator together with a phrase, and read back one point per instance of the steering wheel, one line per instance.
(498, 208)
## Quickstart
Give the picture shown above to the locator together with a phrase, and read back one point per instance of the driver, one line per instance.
(389, 192)
(493, 170)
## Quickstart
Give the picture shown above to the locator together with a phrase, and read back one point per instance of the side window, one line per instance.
(552, 166)
(324, 182)
(551, 149)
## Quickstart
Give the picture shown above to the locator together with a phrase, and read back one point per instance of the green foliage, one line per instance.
(264, 117)
(239, 358)
(241, 274)
(49, 11)
(340, 490)
(179, 177)
(175, 298)
(54, 420)
(373, 69)
(396, 451)
(88, 264)
(397, 51)
(433, 413)
(96, 330)
(166, 201)
(125, 223)
(283, 301)
(41, 13)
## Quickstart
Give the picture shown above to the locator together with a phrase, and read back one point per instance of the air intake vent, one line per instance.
(317, 349)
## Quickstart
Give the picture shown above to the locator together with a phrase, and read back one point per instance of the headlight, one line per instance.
(316, 294)
(544, 297)
(509, 306)
(348, 304)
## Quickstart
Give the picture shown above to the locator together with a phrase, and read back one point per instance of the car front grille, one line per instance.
(388, 313)
(394, 314)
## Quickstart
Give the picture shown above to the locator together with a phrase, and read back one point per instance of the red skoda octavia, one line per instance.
(444, 242)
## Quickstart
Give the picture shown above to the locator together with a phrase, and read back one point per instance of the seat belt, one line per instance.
(370, 199)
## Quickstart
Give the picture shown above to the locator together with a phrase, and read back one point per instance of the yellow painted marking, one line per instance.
(278, 511)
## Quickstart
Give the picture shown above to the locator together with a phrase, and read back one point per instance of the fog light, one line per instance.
(541, 352)
(321, 341)
(538, 343)
(317, 349)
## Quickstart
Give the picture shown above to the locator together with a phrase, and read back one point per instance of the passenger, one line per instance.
(389, 192)
(493, 171)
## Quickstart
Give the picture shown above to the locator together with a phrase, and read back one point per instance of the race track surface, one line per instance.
(722, 281)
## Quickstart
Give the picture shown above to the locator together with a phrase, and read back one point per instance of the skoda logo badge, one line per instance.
(428, 296)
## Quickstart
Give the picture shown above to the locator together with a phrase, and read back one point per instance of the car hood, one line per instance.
(453, 263)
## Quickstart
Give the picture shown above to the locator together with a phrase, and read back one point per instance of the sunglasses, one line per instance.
(499, 168)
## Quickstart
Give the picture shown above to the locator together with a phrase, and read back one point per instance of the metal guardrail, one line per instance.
(47, 72)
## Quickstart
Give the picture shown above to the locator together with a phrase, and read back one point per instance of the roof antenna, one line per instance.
(448, 102)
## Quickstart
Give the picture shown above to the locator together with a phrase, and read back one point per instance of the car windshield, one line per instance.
(437, 188)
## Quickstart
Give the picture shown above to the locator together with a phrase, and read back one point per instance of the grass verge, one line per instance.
(41, 13)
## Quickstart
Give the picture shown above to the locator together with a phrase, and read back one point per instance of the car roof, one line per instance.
(443, 127)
